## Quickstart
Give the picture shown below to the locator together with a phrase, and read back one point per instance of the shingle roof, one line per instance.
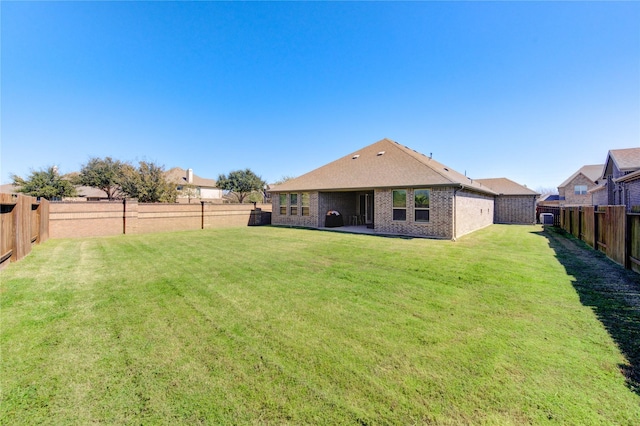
(384, 164)
(178, 176)
(592, 172)
(628, 177)
(8, 188)
(504, 186)
(626, 159)
(90, 192)
(549, 197)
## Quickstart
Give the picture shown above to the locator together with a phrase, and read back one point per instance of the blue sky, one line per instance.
(526, 90)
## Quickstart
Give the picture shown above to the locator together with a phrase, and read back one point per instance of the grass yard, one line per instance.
(288, 326)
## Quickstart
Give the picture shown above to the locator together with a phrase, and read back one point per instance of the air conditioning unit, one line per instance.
(546, 218)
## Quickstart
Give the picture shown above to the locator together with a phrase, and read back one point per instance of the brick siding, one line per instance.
(440, 213)
(519, 209)
(573, 199)
(632, 189)
(473, 211)
(600, 198)
(311, 221)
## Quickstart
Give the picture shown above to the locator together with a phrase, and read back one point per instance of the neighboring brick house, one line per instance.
(631, 190)
(620, 178)
(391, 189)
(514, 203)
(574, 191)
(599, 195)
(192, 187)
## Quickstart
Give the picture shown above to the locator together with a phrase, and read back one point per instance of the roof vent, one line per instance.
(355, 156)
(446, 169)
(380, 153)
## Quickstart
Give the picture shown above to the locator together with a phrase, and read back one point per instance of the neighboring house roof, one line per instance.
(178, 176)
(549, 197)
(626, 160)
(631, 176)
(90, 192)
(384, 164)
(600, 187)
(592, 172)
(8, 188)
(504, 186)
(83, 191)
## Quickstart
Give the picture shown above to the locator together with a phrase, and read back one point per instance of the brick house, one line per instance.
(193, 188)
(620, 179)
(514, 203)
(393, 189)
(574, 191)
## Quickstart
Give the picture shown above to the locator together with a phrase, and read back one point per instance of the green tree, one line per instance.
(283, 179)
(189, 191)
(241, 183)
(147, 183)
(102, 173)
(46, 184)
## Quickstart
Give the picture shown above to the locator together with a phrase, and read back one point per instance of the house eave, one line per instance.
(371, 188)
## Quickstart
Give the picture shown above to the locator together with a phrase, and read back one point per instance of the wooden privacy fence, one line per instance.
(93, 219)
(24, 221)
(609, 229)
(554, 210)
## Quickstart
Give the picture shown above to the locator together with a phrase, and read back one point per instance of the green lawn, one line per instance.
(274, 325)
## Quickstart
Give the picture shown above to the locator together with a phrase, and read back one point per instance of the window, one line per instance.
(580, 189)
(304, 198)
(293, 200)
(421, 208)
(283, 204)
(399, 204)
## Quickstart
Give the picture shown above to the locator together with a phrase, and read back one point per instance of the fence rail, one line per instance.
(609, 229)
(24, 221)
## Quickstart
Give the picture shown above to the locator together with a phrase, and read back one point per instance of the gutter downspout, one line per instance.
(455, 214)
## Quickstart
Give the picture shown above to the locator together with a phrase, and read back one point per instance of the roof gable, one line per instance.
(591, 172)
(504, 186)
(625, 160)
(384, 164)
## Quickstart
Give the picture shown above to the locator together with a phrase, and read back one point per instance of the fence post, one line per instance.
(202, 215)
(44, 220)
(627, 240)
(595, 227)
(580, 213)
(7, 227)
(38, 213)
(124, 216)
(22, 228)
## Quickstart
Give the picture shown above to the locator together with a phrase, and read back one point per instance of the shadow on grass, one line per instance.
(610, 290)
